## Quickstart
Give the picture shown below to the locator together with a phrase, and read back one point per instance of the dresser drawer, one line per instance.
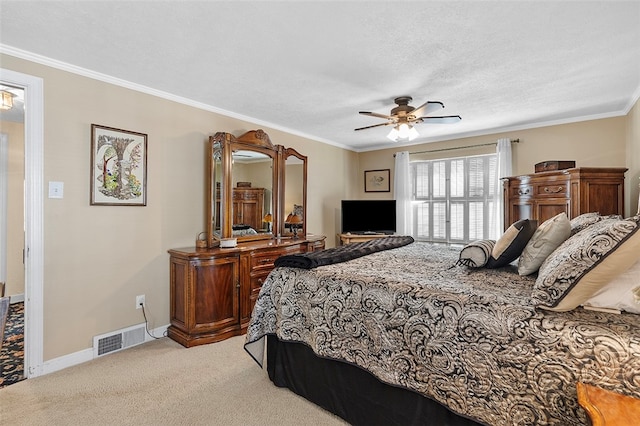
(552, 190)
(256, 282)
(239, 195)
(264, 259)
(518, 191)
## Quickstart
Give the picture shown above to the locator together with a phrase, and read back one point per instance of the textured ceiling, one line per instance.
(309, 67)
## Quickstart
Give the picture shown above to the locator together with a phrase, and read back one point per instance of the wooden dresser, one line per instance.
(540, 196)
(247, 206)
(212, 291)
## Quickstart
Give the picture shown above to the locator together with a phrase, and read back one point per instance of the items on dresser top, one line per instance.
(547, 166)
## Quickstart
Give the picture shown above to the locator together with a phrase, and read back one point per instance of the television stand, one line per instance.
(358, 238)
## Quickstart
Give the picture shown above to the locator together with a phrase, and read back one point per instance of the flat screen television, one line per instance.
(369, 216)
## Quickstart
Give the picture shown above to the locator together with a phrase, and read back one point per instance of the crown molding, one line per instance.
(54, 63)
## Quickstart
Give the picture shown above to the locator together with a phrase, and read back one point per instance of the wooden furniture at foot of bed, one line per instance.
(606, 408)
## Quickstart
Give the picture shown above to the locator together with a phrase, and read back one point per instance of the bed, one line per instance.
(409, 335)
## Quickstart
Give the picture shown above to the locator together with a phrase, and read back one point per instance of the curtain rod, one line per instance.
(460, 147)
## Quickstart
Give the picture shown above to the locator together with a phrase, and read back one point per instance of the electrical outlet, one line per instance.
(140, 301)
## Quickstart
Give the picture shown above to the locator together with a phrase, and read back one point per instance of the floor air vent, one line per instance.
(118, 340)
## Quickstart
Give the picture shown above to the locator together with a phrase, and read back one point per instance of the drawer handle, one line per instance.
(267, 260)
(260, 281)
(521, 192)
(553, 191)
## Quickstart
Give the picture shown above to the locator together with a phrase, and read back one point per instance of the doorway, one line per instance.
(33, 215)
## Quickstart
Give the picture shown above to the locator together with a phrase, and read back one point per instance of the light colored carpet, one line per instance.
(160, 383)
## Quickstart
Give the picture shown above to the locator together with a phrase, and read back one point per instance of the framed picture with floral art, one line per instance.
(118, 167)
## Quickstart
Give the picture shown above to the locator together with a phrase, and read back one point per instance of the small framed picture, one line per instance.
(118, 167)
(377, 180)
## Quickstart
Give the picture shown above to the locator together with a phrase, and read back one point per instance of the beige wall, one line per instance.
(633, 160)
(15, 206)
(98, 258)
(610, 142)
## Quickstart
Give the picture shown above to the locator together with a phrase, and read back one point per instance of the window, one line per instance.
(454, 198)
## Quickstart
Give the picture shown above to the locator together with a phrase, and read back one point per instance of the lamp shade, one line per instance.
(294, 219)
(268, 218)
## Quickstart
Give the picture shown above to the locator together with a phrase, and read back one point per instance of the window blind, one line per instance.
(452, 198)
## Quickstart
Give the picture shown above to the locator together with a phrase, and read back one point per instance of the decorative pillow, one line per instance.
(476, 254)
(545, 240)
(585, 220)
(586, 262)
(511, 243)
(621, 293)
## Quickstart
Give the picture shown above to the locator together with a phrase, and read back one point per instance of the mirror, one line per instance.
(216, 172)
(243, 180)
(294, 194)
(252, 179)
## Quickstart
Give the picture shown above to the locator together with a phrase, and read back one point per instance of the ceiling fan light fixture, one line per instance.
(6, 100)
(393, 134)
(404, 116)
(403, 132)
(413, 133)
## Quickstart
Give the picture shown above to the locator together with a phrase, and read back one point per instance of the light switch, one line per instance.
(56, 189)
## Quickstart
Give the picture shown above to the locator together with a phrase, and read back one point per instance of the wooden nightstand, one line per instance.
(607, 408)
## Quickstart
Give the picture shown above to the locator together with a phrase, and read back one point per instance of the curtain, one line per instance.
(504, 169)
(402, 191)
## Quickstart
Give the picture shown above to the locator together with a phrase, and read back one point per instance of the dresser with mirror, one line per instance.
(256, 212)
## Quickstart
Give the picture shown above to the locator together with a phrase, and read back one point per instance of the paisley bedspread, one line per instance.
(468, 338)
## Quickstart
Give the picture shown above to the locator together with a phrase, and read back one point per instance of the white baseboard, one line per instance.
(85, 355)
(66, 361)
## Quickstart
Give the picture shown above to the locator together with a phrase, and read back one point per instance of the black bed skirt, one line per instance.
(350, 392)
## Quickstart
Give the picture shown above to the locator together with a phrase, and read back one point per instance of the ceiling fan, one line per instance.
(404, 116)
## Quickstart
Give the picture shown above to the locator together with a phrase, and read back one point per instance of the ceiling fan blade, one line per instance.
(447, 119)
(427, 108)
(375, 125)
(375, 114)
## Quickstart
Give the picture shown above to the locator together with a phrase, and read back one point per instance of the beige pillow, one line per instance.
(544, 241)
(621, 293)
(586, 262)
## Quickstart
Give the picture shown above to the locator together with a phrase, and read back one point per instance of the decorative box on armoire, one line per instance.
(540, 196)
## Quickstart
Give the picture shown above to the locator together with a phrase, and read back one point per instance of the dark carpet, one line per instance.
(12, 353)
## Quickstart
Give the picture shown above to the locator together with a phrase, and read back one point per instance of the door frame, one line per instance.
(34, 216)
(4, 185)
